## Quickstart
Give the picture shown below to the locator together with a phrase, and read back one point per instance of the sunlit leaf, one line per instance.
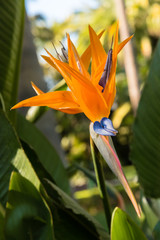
(28, 216)
(12, 158)
(123, 227)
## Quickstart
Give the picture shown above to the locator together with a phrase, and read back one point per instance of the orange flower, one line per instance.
(86, 93)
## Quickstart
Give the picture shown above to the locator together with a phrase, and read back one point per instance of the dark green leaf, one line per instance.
(46, 153)
(70, 220)
(11, 33)
(156, 231)
(12, 157)
(123, 227)
(2, 221)
(28, 216)
(145, 152)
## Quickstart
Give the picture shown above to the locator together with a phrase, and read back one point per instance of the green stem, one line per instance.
(101, 184)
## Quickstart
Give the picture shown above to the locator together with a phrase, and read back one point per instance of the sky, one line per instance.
(56, 10)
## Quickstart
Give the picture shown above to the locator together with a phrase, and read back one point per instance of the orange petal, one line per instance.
(60, 100)
(71, 110)
(68, 110)
(47, 59)
(122, 44)
(98, 52)
(86, 56)
(74, 59)
(110, 88)
(96, 76)
(115, 48)
(66, 76)
(36, 89)
(89, 97)
(67, 72)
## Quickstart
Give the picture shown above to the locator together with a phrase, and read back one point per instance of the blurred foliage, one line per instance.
(144, 21)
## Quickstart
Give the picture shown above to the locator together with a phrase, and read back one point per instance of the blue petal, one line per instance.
(100, 130)
(107, 125)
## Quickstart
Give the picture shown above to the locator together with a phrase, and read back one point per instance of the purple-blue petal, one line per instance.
(107, 125)
(100, 130)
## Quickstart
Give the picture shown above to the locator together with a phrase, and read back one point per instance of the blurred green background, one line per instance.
(143, 17)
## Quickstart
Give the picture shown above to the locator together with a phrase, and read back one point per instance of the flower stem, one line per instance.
(101, 184)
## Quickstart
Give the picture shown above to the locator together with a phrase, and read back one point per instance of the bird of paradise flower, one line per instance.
(93, 94)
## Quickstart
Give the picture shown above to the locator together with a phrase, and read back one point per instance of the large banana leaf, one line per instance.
(12, 157)
(70, 220)
(11, 32)
(145, 148)
(28, 216)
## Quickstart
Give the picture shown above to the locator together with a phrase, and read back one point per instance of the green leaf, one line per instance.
(70, 220)
(151, 217)
(28, 216)
(123, 227)
(47, 155)
(145, 146)
(11, 32)
(156, 231)
(12, 157)
(2, 222)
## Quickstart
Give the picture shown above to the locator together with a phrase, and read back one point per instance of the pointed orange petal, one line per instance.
(86, 56)
(122, 44)
(66, 76)
(48, 60)
(96, 76)
(89, 97)
(36, 89)
(98, 52)
(110, 88)
(68, 72)
(115, 48)
(74, 59)
(58, 100)
(71, 110)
